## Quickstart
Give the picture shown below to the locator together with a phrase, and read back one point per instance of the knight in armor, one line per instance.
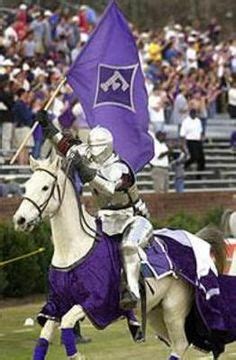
(113, 185)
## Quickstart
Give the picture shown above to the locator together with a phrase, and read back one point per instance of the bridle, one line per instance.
(40, 208)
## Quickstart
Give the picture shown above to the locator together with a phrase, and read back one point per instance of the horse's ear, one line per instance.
(53, 155)
(33, 163)
(56, 163)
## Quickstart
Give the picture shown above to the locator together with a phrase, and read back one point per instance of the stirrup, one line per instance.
(128, 300)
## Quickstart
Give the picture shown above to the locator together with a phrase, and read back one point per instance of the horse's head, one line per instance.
(42, 196)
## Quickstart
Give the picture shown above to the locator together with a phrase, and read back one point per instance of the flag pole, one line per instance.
(46, 107)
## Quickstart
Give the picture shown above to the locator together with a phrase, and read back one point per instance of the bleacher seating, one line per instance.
(220, 173)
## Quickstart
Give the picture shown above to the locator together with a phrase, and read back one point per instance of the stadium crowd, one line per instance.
(186, 68)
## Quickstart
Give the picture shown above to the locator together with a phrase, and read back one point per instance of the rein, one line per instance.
(84, 224)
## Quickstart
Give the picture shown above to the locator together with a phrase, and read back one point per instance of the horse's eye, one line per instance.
(45, 188)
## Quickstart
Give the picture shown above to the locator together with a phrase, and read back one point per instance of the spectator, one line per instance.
(6, 105)
(214, 30)
(201, 107)
(160, 163)
(213, 93)
(20, 26)
(23, 119)
(191, 131)
(232, 100)
(180, 110)
(83, 20)
(180, 63)
(19, 78)
(29, 46)
(74, 33)
(75, 52)
(38, 28)
(156, 108)
(38, 132)
(10, 36)
(191, 54)
(80, 125)
(47, 36)
(8, 66)
(233, 141)
(177, 164)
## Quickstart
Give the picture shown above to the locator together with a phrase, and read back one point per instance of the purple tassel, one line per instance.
(174, 357)
(41, 349)
(68, 339)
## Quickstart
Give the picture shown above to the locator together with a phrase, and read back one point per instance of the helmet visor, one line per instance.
(97, 150)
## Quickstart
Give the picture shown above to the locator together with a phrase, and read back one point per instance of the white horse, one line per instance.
(50, 193)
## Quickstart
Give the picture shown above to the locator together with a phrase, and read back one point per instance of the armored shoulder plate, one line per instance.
(113, 172)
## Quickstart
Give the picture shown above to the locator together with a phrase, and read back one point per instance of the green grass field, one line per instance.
(114, 343)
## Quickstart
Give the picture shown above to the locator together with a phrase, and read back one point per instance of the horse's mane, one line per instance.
(215, 238)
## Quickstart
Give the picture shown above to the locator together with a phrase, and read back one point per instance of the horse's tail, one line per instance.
(224, 225)
(215, 238)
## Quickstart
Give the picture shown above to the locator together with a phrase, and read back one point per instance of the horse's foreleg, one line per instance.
(46, 334)
(67, 333)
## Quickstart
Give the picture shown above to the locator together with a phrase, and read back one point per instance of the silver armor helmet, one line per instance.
(100, 141)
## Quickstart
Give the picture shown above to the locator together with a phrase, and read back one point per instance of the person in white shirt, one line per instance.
(10, 36)
(160, 163)
(191, 54)
(156, 109)
(191, 132)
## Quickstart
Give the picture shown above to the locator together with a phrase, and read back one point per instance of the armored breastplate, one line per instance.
(123, 197)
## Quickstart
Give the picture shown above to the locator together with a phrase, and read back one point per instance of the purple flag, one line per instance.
(108, 80)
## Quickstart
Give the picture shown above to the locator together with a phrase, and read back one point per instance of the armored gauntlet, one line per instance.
(62, 142)
(85, 172)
